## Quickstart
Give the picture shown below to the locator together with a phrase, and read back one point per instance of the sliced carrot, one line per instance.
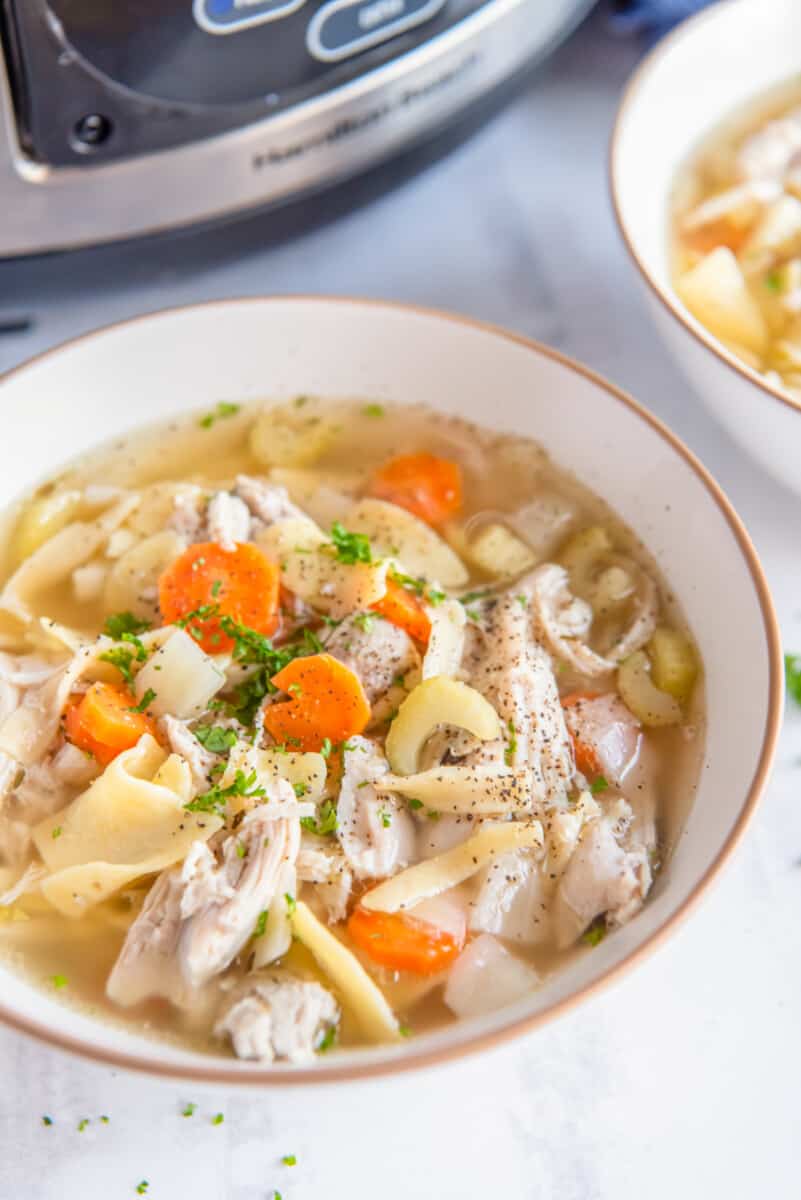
(402, 608)
(327, 700)
(104, 722)
(427, 486)
(402, 943)
(241, 583)
(586, 759)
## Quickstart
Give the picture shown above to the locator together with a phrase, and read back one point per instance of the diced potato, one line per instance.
(182, 676)
(435, 702)
(674, 666)
(42, 518)
(648, 703)
(716, 294)
(497, 551)
(396, 533)
(296, 434)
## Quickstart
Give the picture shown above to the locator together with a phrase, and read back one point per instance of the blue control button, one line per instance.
(229, 16)
(346, 27)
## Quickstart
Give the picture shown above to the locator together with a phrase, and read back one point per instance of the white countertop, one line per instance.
(681, 1081)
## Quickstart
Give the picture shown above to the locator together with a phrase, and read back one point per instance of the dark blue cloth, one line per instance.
(652, 17)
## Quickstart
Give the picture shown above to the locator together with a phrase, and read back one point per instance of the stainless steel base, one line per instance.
(318, 143)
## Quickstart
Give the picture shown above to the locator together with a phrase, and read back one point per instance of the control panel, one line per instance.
(94, 81)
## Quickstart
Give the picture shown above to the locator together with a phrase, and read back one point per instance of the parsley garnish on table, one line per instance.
(792, 673)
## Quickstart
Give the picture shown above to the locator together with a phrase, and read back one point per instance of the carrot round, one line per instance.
(327, 700)
(402, 608)
(241, 583)
(402, 943)
(586, 759)
(427, 486)
(104, 721)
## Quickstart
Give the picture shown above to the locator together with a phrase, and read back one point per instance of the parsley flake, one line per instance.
(414, 803)
(386, 818)
(217, 1119)
(325, 822)
(374, 410)
(82, 1124)
(326, 747)
(773, 281)
(59, 981)
(215, 800)
(221, 410)
(47, 1120)
(241, 849)
(289, 1160)
(350, 548)
(299, 789)
(57, 831)
(404, 1031)
(261, 924)
(189, 1110)
(511, 745)
(328, 1040)
(142, 1187)
(118, 624)
(365, 621)
(145, 702)
(599, 784)
(215, 738)
(596, 932)
(291, 903)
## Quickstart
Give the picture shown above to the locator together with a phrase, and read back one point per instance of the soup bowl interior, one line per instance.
(106, 384)
(710, 68)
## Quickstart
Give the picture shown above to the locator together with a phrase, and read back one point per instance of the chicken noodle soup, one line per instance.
(303, 748)
(737, 236)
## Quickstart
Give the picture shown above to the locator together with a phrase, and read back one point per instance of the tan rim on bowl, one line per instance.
(217, 1071)
(667, 296)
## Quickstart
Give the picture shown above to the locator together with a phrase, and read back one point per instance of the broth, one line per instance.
(503, 511)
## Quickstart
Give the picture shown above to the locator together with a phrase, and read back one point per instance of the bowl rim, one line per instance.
(667, 296)
(217, 1071)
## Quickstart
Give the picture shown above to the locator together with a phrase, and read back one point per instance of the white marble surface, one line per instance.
(683, 1080)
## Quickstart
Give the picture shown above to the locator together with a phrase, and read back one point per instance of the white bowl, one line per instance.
(107, 383)
(707, 68)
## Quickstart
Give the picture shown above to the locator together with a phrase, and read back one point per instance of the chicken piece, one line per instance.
(49, 786)
(16, 841)
(148, 963)
(376, 833)
(187, 518)
(326, 868)
(269, 502)
(227, 520)
(562, 621)
(513, 899)
(514, 674)
(182, 741)
(279, 1017)
(9, 770)
(374, 649)
(221, 916)
(602, 878)
(607, 733)
(769, 151)
(197, 917)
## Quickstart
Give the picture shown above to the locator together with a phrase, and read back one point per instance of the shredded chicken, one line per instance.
(376, 833)
(376, 650)
(770, 150)
(228, 520)
(182, 741)
(278, 1017)
(199, 916)
(269, 502)
(513, 899)
(602, 878)
(514, 673)
(327, 868)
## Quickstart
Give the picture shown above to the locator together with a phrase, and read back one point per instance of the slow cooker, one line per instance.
(124, 119)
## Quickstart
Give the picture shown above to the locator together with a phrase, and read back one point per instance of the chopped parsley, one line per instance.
(104, 1120)
(522, 600)
(215, 738)
(291, 903)
(59, 981)
(328, 1040)
(773, 281)
(215, 588)
(241, 849)
(599, 784)
(374, 410)
(216, 798)
(118, 624)
(404, 1031)
(261, 924)
(414, 803)
(350, 548)
(294, 689)
(365, 621)
(386, 818)
(433, 815)
(189, 1110)
(326, 747)
(436, 596)
(596, 932)
(416, 584)
(82, 1124)
(56, 832)
(145, 702)
(792, 671)
(473, 614)
(511, 746)
(325, 822)
(469, 597)
(299, 789)
(142, 1187)
(122, 658)
(47, 1120)
(221, 410)
(217, 1119)
(289, 1160)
